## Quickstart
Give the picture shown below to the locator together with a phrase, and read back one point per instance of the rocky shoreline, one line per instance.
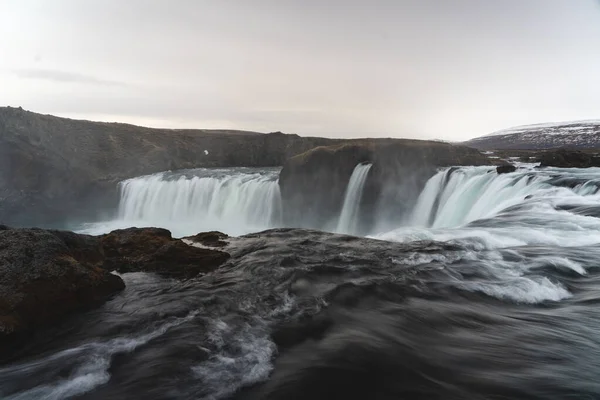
(46, 275)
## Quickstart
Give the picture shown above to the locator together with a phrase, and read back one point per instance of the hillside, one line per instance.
(576, 135)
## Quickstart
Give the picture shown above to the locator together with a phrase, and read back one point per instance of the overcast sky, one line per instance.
(447, 69)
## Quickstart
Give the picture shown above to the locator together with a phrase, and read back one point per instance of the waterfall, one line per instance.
(428, 201)
(238, 201)
(348, 222)
(454, 197)
(234, 201)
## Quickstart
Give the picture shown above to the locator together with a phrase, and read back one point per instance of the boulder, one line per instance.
(209, 239)
(564, 158)
(155, 250)
(45, 275)
(505, 169)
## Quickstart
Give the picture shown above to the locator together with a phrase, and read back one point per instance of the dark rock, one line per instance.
(505, 169)
(154, 250)
(209, 239)
(564, 158)
(45, 275)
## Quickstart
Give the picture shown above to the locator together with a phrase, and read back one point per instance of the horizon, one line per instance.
(159, 127)
(426, 69)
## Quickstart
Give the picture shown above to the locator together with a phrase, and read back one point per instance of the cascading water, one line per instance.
(234, 201)
(457, 196)
(528, 207)
(348, 222)
(243, 200)
(492, 293)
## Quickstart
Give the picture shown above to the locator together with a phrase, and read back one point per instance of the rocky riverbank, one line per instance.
(48, 274)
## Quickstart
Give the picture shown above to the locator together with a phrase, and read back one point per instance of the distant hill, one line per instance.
(576, 135)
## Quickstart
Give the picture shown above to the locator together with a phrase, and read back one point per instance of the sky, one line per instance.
(427, 69)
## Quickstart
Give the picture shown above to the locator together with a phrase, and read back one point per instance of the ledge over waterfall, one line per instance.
(313, 183)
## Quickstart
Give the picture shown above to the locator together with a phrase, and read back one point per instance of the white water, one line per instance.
(233, 201)
(494, 214)
(456, 197)
(94, 360)
(475, 207)
(348, 222)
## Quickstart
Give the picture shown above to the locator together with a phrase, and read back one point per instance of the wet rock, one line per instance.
(45, 275)
(505, 169)
(155, 250)
(209, 239)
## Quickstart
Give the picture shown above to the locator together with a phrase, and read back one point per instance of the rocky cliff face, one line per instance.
(55, 168)
(313, 183)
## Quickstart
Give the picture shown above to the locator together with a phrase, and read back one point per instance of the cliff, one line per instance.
(313, 183)
(53, 169)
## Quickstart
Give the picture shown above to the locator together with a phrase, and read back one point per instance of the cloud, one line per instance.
(64, 77)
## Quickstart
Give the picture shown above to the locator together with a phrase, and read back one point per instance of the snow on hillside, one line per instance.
(577, 134)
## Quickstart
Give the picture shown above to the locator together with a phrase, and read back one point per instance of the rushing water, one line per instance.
(489, 291)
(528, 207)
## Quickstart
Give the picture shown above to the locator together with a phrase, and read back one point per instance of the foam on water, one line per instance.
(241, 356)
(92, 360)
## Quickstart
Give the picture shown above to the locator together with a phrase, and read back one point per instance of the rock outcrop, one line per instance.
(313, 183)
(209, 239)
(54, 170)
(155, 250)
(568, 159)
(505, 169)
(45, 275)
